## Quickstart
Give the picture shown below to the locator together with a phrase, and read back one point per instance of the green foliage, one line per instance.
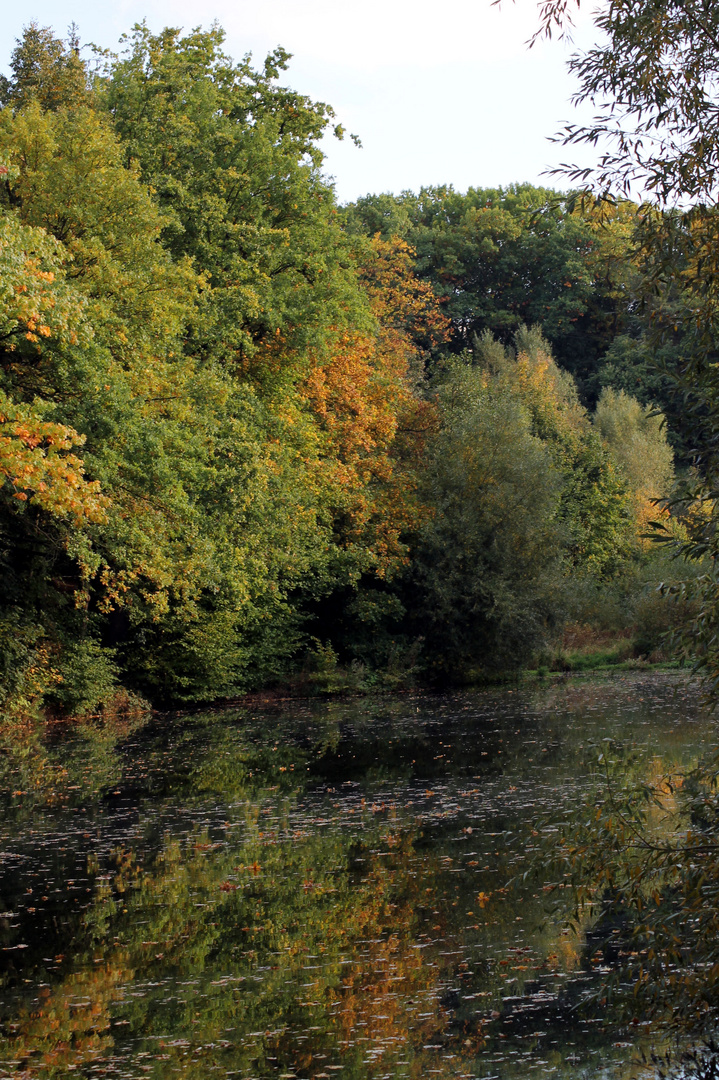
(234, 157)
(218, 439)
(26, 671)
(185, 458)
(654, 69)
(222, 506)
(87, 677)
(636, 438)
(654, 72)
(645, 605)
(488, 560)
(527, 501)
(501, 258)
(631, 364)
(46, 70)
(595, 508)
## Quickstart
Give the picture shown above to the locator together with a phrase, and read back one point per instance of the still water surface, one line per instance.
(312, 891)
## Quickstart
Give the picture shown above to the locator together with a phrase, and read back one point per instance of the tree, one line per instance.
(188, 555)
(45, 69)
(633, 365)
(503, 258)
(488, 559)
(49, 507)
(653, 80)
(600, 532)
(636, 437)
(242, 376)
(361, 392)
(365, 395)
(234, 160)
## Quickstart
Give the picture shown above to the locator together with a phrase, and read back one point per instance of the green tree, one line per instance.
(49, 506)
(501, 258)
(633, 365)
(212, 504)
(487, 563)
(637, 440)
(45, 69)
(247, 462)
(234, 157)
(595, 506)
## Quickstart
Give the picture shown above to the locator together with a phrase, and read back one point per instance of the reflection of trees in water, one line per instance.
(51, 765)
(323, 945)
(284, 919)
(251, 937)
(641, 861)
(67, 1025)
(314, 929)
(253, 954)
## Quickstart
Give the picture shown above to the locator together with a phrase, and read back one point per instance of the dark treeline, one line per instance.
(250, 437)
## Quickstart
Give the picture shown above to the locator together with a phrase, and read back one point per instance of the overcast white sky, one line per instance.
(437, 92)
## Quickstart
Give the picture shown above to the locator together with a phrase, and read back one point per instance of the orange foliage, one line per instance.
(398, 298)
(36, 464)
(363, 396)
(35, 301)
(69, 1025)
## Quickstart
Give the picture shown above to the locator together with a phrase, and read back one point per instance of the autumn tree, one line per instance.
(226, 423)
(637, 440)
(187, 458)
(502, 258)
(249, 464)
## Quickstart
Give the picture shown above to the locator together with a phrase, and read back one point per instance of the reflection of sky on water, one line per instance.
(311, 892)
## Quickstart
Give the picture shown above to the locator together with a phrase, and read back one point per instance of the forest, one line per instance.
(252, 438)
(257, 445)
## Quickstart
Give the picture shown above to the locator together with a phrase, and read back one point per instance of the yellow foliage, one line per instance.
(38, 466)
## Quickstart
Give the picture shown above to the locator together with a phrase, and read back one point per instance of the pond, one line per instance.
(312, 890)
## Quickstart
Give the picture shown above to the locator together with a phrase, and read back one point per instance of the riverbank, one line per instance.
(582, 651)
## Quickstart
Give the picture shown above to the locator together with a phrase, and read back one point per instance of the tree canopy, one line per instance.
(245, 431)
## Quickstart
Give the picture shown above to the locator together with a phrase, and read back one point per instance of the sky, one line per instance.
(441, 92)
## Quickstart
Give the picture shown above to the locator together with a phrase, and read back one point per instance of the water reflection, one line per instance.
(311, 892)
